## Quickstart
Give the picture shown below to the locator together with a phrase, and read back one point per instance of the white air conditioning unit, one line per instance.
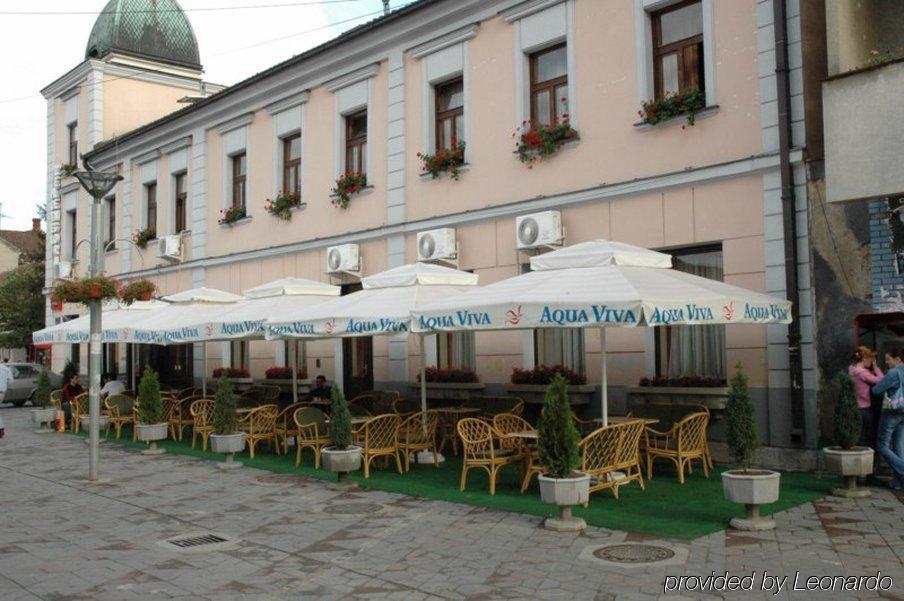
(63, 270)
(539, 230)
(343, 259)
(170, 248)
(437, 245)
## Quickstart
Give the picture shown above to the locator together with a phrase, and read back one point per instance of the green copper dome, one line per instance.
(152, 29)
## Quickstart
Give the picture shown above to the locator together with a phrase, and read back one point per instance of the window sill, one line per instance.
(566, 146)
(427, 176)
(242, 221)
(707, 111)
(364, 192)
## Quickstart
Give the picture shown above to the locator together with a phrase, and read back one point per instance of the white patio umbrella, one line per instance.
(117, 318)
(599, 284)
(382, 308)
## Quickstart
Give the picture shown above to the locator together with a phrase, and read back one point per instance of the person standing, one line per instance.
(890, 436)
(865, 374)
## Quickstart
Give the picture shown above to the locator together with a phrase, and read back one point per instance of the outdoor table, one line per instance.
(621, 419)
(456, 410)
(528, 435)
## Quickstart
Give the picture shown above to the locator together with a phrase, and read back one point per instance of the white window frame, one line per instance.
(643, 47)
(288, 117)
(235, 139)
(172, 201)
(352, 93)
(105, 219)
(536, 28)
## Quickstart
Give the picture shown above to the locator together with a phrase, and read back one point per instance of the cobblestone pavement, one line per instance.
(63, 539)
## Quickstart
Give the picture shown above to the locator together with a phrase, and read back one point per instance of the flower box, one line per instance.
(712, 397)
(673, 105)
(541, 142)
(447, 160)
(283, 205)
(454, 391)
(84, 290)
(578, 394)
(347, 186)
(141, 237)
(141, 290)
(232, 215)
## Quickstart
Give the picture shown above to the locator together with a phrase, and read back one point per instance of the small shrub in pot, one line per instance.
(342, 457)
(150, 415)
(846, 459)
(225, 438)
(43, 413)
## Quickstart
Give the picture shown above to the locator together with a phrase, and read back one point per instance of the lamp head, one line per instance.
(97, 183)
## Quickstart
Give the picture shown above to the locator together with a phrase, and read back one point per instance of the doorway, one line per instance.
(357, 358)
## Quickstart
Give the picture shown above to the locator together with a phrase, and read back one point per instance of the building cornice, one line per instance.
(456, 37)
(748, 166)
(235, 123)
(352, 78)
(177, 145)
(526, 9)
(290, 102)
(147, 157)
(68, 82)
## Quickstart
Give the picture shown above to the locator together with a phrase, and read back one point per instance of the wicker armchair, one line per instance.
(492, 406)
(610, 449)
(180, 417)
(313, 432)
(186, 393)
(56, 399)
(405, 407)
(79, 410)
(286, 428)
(381, 439)
(480, 444)
(585, 426)
(376, 402)
(121, 410)
(201, 413)
(682, 444)
(418, 434)
(507, 423)
(259, 425)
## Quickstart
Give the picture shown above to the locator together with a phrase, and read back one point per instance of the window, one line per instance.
(73, 143)
(150, 191)
(238, 354)
(73, 234)
(181, 199)
(356, 143)
(450, 114)
(678, 48)
(291, 181)
(111, 223)
(560, 346)
(239, 174)
(549, 85)
(456, 350)
(300, 349)
(697, 350)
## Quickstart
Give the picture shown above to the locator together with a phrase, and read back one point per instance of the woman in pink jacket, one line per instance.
(865, 374)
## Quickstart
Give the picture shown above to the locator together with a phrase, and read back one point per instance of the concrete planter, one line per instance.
(341, 462)
(102, 422)
(850, 464)
(41, 418)
(578, 394)
(151, 433)
(229, 445)
(565, 493)
(710, 397)
(752, 488)
(450, 391)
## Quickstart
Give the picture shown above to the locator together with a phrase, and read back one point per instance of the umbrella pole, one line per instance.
(604, 379)
(134, 365)
(423, 384)
(204, 370)
(294, 348)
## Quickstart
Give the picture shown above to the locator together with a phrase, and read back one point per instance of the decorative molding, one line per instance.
(290, 102)
(352, 78)
(70, 188)
(233, 124)
(754, 165)
(450, 39)
(176, 145)
(147, 157)
(74, 90)
(526, 9)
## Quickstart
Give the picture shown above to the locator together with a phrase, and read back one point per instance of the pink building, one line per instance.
(705, 186)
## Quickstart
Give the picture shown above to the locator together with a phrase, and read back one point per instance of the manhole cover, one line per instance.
(199, 542)
(279, 479)
(634, 553)
(353, 508)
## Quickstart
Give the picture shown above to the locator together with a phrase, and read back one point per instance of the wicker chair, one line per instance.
(259, 425)
(414, 436)
(381, 439)
(180, 416)
(56, 399)
(610, 449)
(492, 406)
(286, 427)
(313, 432)
(682, 444)
(585, 426)
(202, 426)
(376, 402)
(120, 408)
(405, 407)
(480, 445)
(186, 393)
(79, 409)
(507, 423)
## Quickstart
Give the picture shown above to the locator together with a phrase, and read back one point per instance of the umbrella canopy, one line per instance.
(116, 320)
(382, 307)
(179, 322)
(600, 284)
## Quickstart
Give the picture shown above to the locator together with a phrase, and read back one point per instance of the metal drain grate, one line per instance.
(199, 542)
(279, 479)
(635, 555)
(353, 508)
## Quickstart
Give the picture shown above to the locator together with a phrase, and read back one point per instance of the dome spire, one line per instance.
(156, 30)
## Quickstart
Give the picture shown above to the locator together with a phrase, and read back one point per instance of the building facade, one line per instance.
(723, 193)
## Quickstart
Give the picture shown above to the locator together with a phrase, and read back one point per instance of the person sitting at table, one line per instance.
(321, 391)
(111, 386)
(71, 390)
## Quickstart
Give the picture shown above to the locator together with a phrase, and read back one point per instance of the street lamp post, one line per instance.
(98, 184)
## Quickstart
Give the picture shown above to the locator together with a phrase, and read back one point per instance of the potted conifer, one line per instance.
(151, 425)
(43, 414)
(224, 438)
(846, 459)
(557, 439)
(343, 457)
(752, 487)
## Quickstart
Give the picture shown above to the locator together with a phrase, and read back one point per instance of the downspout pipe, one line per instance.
(789, 216)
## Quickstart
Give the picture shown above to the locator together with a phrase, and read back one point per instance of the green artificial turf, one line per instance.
(667, 508)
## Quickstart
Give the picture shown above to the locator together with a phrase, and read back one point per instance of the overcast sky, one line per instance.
(37, 49)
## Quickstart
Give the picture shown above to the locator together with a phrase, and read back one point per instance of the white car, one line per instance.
(25, 381)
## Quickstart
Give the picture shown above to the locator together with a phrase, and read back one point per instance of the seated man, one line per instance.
(71, 389)
(321, 391)
(111, 386)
